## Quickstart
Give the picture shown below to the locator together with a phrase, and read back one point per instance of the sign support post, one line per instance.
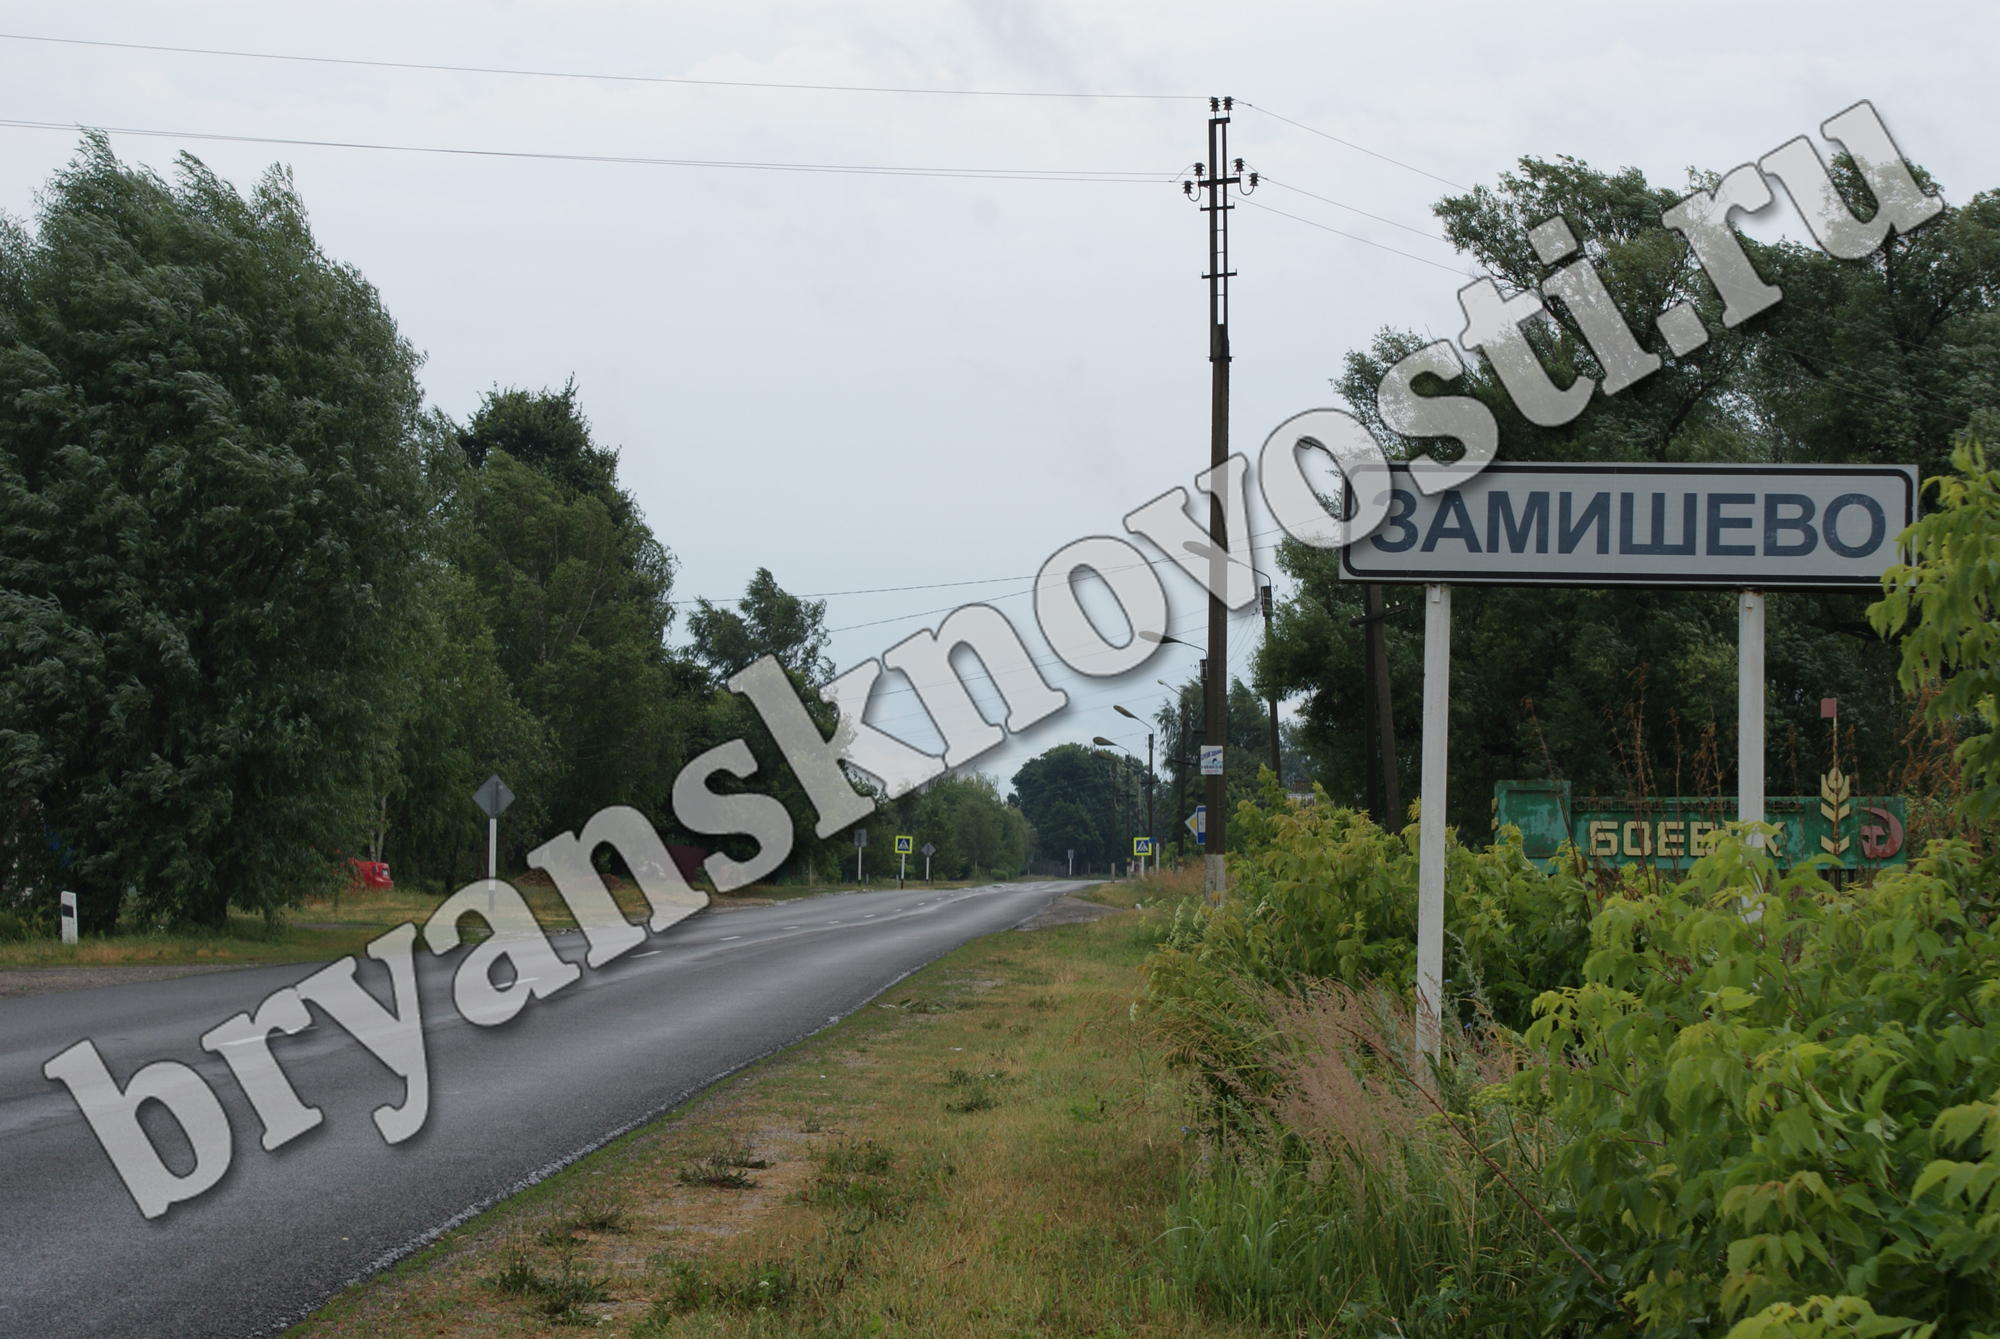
(492, 797)
(1749, 529)
(1750, 709)
(1431, 823)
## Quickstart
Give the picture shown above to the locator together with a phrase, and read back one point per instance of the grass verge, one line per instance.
(321, 929)
(990, 1148)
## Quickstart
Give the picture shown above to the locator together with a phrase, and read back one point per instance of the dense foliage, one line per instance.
(1755, 1103)
(1881, 360)
(1950, 593)
(1781, 1099)
(211, 523)
(1320, 893)
(260, 613)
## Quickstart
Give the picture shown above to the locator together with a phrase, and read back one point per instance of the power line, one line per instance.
(595, 77)
(1354, 237)
(838, 169)
(1269, 180)
(1358, 148)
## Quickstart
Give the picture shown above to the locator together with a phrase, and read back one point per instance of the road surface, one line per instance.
(509, 1105)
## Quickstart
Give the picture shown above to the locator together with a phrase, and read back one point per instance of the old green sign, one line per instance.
(1860, 832)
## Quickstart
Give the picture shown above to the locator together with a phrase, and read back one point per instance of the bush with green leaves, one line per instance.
(1952, 591)
(1783, 1104)
(1320, 894)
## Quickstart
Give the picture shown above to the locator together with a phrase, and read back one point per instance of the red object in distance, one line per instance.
(687, 859)
(1829, 708)
(371, 873)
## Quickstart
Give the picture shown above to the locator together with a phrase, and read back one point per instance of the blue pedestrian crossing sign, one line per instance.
(1198, 824)
(1142, 846)
(905, 845)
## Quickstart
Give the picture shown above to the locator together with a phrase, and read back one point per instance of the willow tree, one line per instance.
(211, 518)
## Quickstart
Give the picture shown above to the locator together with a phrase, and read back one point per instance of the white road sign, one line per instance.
(1761, 527)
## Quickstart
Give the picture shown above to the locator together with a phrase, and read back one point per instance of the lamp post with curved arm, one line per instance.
(1124, 795)
(1151, 832)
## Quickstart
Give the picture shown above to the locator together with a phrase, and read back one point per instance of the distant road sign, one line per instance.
(860, 837)
(1211, 759)
(493, 797)
(1197, 823)
(929, 850)
(1142, 846)
(905, 845)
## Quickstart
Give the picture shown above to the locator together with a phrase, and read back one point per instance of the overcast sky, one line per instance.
(868, 381)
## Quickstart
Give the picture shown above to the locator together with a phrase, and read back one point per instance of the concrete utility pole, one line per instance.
(1215, 178)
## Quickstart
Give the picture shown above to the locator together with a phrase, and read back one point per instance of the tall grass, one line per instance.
(1370, 1192)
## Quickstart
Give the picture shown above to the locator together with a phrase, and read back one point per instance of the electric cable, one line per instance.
(595, 77)
(1358, 148)
(1355, 237)
(1268, 180)
(838, 169)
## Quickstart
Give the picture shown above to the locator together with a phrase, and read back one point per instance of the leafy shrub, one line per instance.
(1324, 894)
(1782, 1104)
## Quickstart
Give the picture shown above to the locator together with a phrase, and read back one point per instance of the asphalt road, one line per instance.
(509, 1105)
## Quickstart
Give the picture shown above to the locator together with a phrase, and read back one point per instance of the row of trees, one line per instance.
(1623, 690)
(1093, 801)
(260, 611)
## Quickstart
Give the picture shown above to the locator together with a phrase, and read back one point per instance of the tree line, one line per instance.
(1634, 691)
(263, 611)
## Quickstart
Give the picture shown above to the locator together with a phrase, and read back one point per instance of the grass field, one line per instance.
(989, 1149)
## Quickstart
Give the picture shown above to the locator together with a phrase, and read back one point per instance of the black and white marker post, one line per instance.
(860, 845)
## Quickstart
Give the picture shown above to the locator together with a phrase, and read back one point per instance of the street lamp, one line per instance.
(1151, 833)
(1124, 795)
(1210, 552)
